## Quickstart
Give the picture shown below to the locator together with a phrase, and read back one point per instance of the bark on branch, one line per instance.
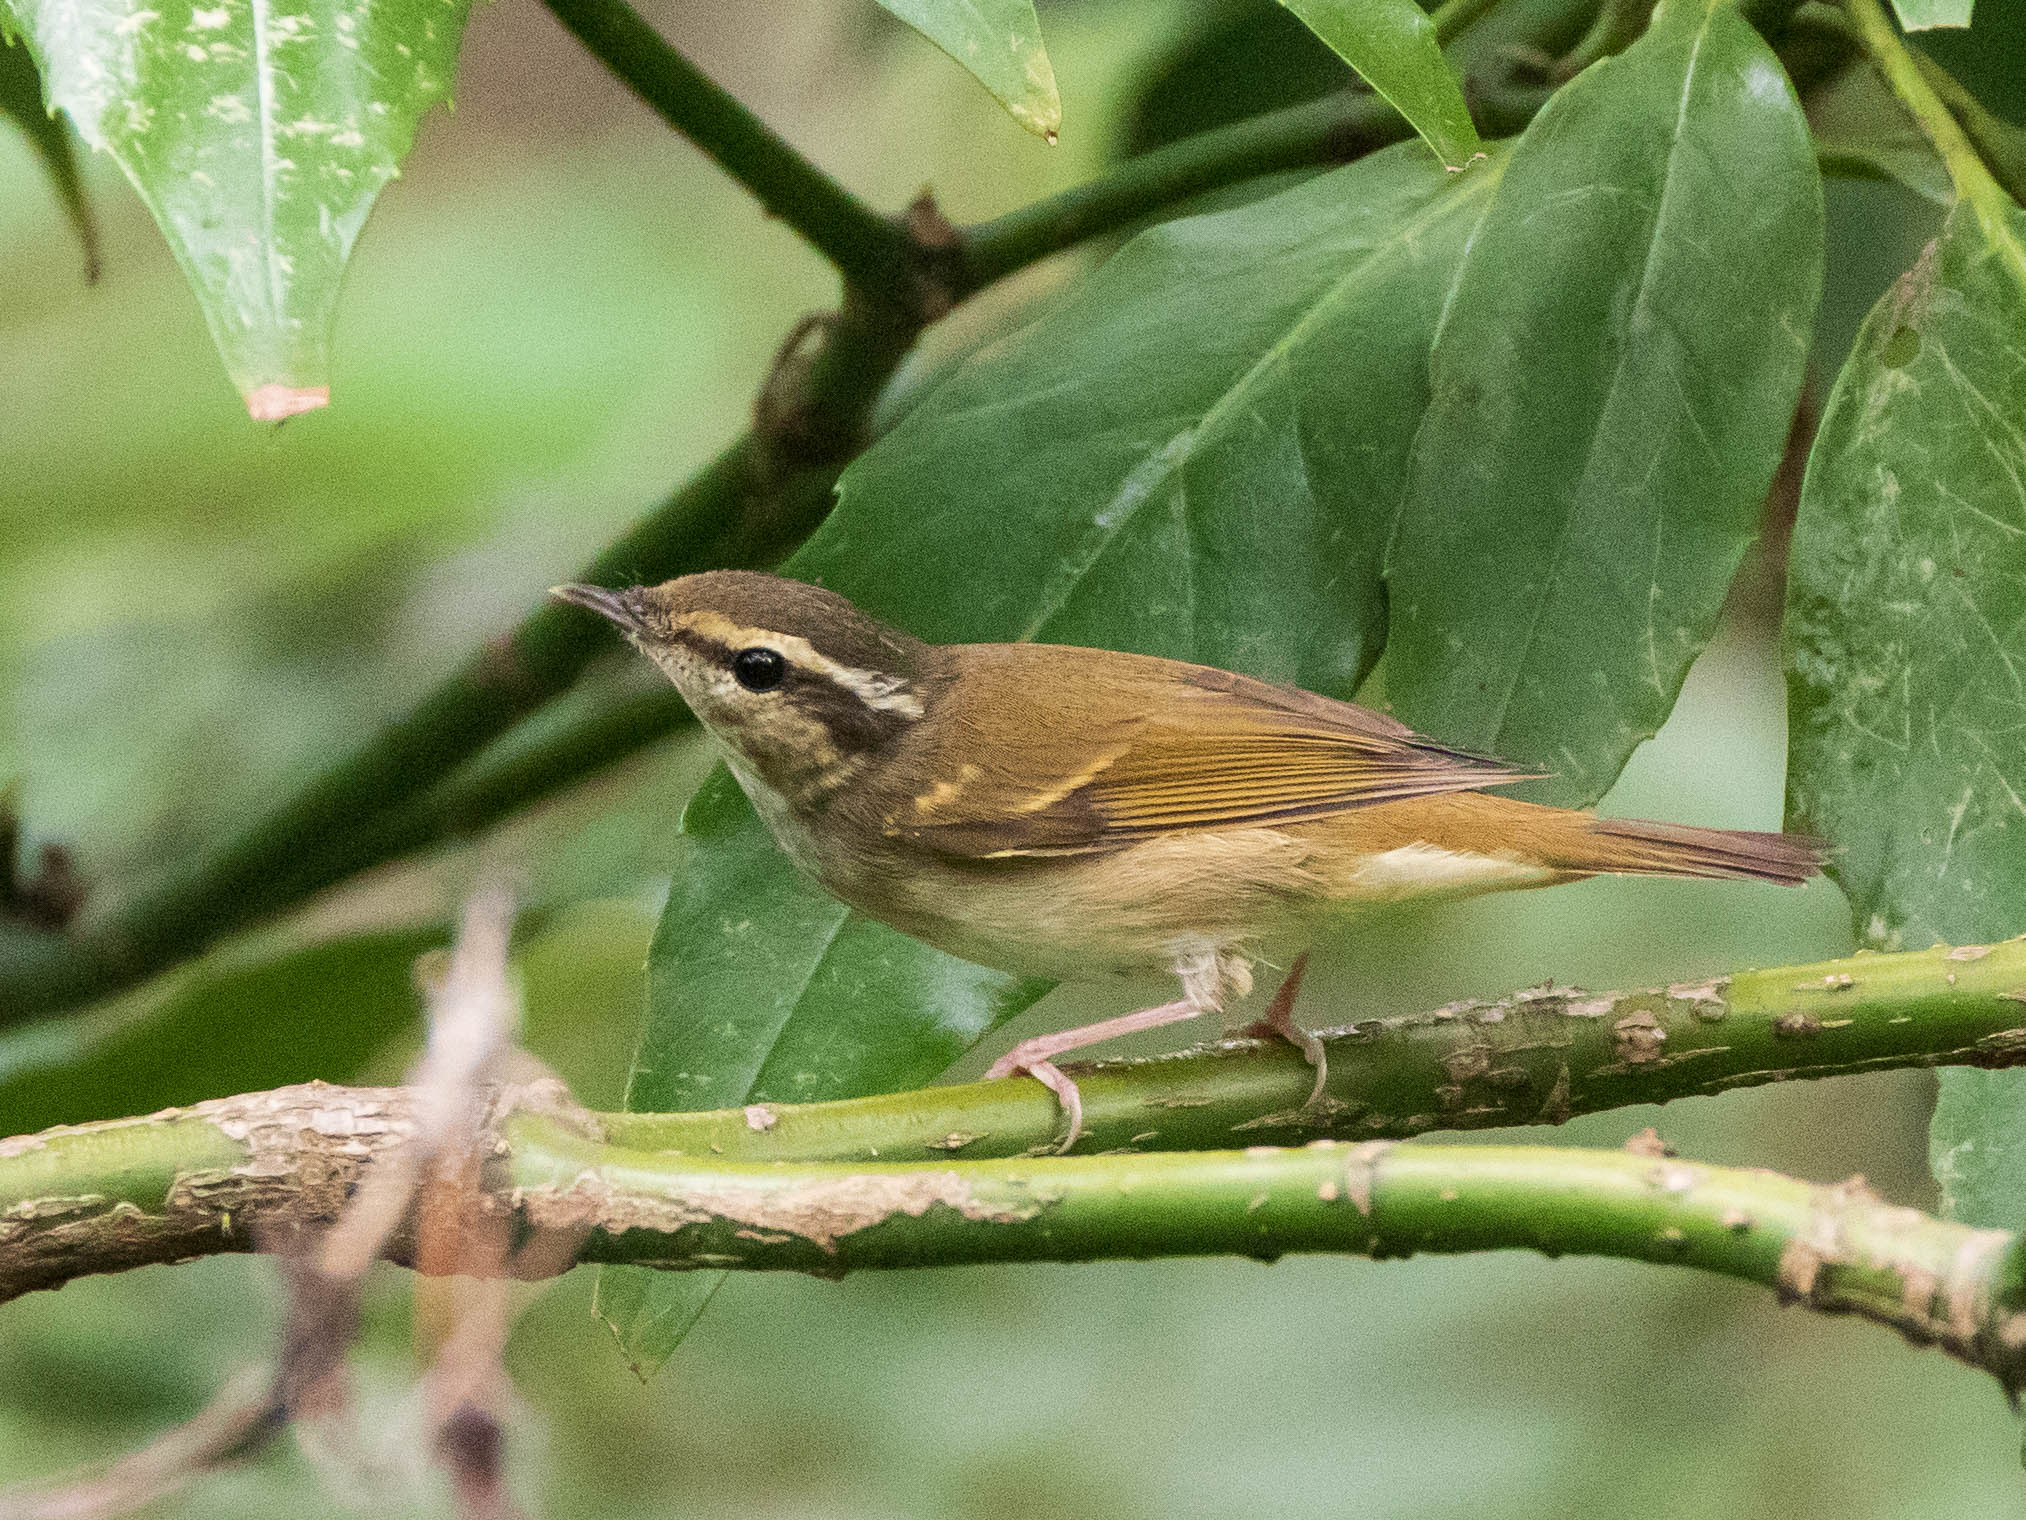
(906, 1180)
(258, 1171)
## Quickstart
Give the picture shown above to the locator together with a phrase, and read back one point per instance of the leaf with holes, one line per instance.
(1612, 389)
(259, 133)
(999, 42)
(1392, 44)
(1906, 635)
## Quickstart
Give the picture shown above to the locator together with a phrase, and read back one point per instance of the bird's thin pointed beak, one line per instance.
(622, 607)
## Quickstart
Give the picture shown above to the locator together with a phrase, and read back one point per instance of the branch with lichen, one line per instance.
(263, 1170)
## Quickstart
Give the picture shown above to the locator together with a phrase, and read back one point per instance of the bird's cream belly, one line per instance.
(1145, 907)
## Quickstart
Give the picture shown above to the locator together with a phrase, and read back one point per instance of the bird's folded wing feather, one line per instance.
(1158, 747)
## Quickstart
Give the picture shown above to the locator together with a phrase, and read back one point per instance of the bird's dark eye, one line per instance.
(759, 669)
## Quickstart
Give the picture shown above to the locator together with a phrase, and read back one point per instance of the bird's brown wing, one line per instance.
(1060, 751)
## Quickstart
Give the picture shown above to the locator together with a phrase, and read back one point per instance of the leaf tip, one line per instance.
(278, 403)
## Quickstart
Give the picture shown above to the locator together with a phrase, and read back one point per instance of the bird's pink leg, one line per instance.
(1033, 1056)
(1279, 1020)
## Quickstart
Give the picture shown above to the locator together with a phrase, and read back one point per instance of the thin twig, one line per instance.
(871, 251)
(474, 1018)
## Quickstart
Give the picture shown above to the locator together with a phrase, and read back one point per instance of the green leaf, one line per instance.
(1612, 389)
(259, 133)
(1392, 43)
(1861, 128)
(1977, 1146)
(1236, 59)
(224, 1026)
(1198, 452)
(1906, 633)
(1920, 15)
(762, 987)
(999, 42)
(21, 99)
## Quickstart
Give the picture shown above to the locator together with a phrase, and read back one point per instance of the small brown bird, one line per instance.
(1071, 812)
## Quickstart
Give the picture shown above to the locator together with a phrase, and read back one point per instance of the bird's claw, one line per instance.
(1050, 1076)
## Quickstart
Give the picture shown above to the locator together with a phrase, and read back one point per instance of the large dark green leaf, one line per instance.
(1613, 385)
(21, 99)
(1198, 452)
(259, 135)
(999, 41)
(1906, 629)
(1392, 43)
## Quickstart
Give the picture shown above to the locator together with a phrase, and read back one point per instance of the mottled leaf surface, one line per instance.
(1392, 43)
(1906, 630)
(21, 100)
(999, 42)
(259, 133)
(1612, 389)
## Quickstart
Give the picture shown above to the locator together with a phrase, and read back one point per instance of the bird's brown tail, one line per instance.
(1635, 847)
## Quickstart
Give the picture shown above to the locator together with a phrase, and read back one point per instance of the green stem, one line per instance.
(1335, 129)
(230, 1175)
(871, 251)
(1974, 183)
(1536, 1057)
(2001, 145)
(1618, 25)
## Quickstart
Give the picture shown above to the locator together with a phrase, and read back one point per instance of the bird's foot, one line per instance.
(1035, 1056)
(1279, 1021)
(1057, 1081)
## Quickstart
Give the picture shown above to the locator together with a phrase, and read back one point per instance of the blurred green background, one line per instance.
(554, 316)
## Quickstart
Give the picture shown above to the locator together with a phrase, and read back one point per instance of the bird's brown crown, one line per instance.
(724, 606)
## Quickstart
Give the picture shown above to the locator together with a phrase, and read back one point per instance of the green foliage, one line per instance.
(1392, 43)
(1169, 460)
(1907, 622)
(1510, 427)
(999, 41)
(1612, 387)
(259, 135)
(1907, 632)
(1860, 129)
(319, 1012)
(1918, 15)
(21, 100)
